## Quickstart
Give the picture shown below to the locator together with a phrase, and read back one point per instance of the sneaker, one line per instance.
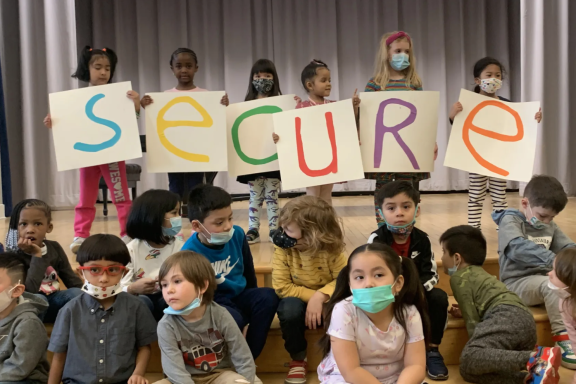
(76, 244)
(126, 239)
(253, 236)
(257, 380)
(543, 366)
(562, 341)
(435, 365)
(297, 372)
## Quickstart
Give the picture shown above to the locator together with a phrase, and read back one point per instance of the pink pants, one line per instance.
(115, 176)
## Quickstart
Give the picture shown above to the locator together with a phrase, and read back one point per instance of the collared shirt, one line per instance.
(101, 345)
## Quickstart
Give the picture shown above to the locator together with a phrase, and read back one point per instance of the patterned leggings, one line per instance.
(263, 189)
(477, 194)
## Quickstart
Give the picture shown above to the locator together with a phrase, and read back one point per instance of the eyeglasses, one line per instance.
(95, 270)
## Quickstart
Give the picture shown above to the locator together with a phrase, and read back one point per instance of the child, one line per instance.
(45, 260)
(23, 338)
(528, 242)
(97, 66)
(376, 320)
(184, 65)
(399, 201)
(153, 223)
(501, 329)
(224, 245)
(395, 70)
(195, 325)
(488, 75)
(317, 84)
(307, 259)
(103, 335)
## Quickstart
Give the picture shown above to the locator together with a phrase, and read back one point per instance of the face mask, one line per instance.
(282, 240)
(534, 222)
(186, 310)
(490, 85)
(400, 61)
(373, 300)
(263, 86)
(176, 223)
(101, 293)
(560, 292)
(405, 229)
(6, 297)
(452, 270)
(218, 238)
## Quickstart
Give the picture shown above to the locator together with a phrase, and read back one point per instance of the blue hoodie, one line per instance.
(524, 250)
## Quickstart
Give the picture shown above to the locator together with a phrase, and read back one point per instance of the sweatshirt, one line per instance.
(191, 349)
(524, 250)
(23, 342)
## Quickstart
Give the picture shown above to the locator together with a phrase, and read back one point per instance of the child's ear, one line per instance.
(477, 80)
(399, 285)
(309, 86)
(206, 285)
(524, 203)
(195, 225)
(18, 291)
(418, 210)
(50, 228)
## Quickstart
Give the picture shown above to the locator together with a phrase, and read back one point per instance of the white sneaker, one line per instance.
(76, 244)
(257, 380)
(126, 239)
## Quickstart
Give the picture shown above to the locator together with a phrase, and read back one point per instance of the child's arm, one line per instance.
(346, 357)
(414, 364)
(146, 101)
(512, 242)
(64, 269)
(282, 279)
(224, 101)
(464, 295)
(336, 264)
(57, 368)
(59, 345)
(172, 360)
(30, 342)
(249, 272)
(38, 265)
(237, 346)
(135, 97)
(428, 274)
(560, 241)
(142, 359)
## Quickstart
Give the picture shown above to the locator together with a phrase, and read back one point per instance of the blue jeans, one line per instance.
(254, 306)
(56, 301)
(155, 302)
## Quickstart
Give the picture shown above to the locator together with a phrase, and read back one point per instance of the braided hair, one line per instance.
(87, 57)
(12, 235)
(183, 50)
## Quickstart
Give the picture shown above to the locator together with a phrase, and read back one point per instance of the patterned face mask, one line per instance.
(263, 86)
(490, 85)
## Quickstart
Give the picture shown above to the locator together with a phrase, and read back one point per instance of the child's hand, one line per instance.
(314, 310)
(275, 137)
(456, 108)
(143, 286)
(135, 98)
(298, 99)
(27, 246)
(146, 101)
(435, 151)
(356, 99)
(137, 379)
(225, 100)
(48, 121)
(455, 311)
(538, 116)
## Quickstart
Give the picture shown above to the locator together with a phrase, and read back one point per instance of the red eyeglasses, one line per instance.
(96, 270)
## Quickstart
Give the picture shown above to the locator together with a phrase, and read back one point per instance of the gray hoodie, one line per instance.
(23, 342)
(524, 250)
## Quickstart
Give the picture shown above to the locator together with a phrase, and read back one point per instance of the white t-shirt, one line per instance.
(381, 353)
(146, 260)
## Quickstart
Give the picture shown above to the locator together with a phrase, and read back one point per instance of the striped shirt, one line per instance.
(393, 85)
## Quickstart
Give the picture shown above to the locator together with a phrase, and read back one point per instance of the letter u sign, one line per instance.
(333, 166)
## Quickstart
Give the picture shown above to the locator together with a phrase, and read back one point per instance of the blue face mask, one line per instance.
(219, 238)
(452, 270)
(405, 229)
(176, 223)
(186, 310)
(400, 61)
(373, 300)
(534, 222)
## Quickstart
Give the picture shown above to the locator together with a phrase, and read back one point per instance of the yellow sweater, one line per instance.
(298, 274)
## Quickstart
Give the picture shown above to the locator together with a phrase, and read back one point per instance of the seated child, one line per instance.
(528, 242)
(23, 338)
(501, 329)
(377, 321)
(103, 335)
(153, 222)
(45, 260)
(307, 259)
(199, 340)
(226, 248)
(399, 202)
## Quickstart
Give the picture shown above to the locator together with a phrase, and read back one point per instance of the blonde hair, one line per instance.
(382, 65)
(321, 227)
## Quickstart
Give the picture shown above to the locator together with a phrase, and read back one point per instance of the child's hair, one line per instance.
(147, 215)
(546, 192)
(309, 72)
(468, 241)
(263, 66)
(103, 247)
(14, 265)
(412, 292)
(321, 227)
(195, 268)
(206, 198)
(12, 235)
(482, 64)
(87, 56)
(382, 66)
(395, 188)
(565, 269)
(183, 50)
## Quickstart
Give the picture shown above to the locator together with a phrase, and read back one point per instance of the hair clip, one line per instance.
(104, 49)
(90, 50)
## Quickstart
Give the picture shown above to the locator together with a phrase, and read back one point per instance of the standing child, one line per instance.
(184, 65)
(317, 84)
(488, 75)
(395, 70)
(194, 322)
(103, 335)
(153, 223)
(376, 320)
(96, 66)
(307, 259)
(45, 260)
(501, 329)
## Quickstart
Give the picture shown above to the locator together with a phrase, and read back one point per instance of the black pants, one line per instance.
(438, 313)
(182, 183)
(292, 315)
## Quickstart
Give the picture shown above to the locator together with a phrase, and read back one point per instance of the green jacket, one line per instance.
(477, 291)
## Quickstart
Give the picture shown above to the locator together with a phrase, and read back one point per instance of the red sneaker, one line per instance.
(543, 367)
(297, 372)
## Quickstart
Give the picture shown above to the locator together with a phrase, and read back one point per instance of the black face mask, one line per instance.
(282, 240)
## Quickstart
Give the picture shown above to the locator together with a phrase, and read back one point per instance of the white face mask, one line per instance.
(490, 85)
(6, 297)
(99, 292)
(560, 292)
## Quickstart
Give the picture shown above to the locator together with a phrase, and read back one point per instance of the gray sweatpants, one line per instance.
(500, 347)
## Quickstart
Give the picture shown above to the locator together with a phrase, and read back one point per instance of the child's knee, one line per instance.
(437, 298)
(291, 309)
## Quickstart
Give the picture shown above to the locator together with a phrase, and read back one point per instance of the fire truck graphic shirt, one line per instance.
(200, 347)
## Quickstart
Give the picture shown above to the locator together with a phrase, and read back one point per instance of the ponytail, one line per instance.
(87, 55)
